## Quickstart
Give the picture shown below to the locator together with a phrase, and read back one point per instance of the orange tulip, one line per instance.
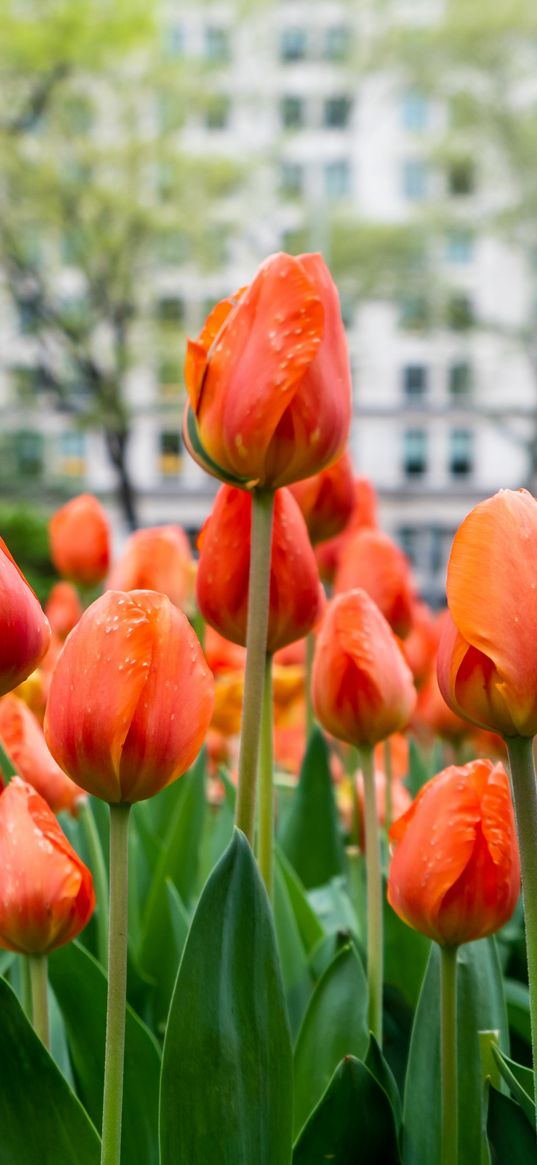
(221, 654)
(22, 738)
(372, 561)
(455, 872)
(296, 595)
(421, 643)
(24, 629)
(268, 377)
(130, 699)
(363, 516)
(326, 499)
(400, 801)
(362, 686)
(46, 891)
(156, 559)
(63, 608)
(80, 540)
(487, 660)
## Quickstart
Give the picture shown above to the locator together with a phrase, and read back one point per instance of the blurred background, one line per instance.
(152, 154)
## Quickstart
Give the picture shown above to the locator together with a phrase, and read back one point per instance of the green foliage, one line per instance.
(25, 532)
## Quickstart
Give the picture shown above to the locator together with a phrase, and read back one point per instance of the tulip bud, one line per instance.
(80, 540)
(63, 608)
(326, 500)
(24, 629)
(362, 686)
(455, 871)
(46, 891)
(268, 378)
(156, 559)
(22, 739)
(130, 699)
(296, 595)
(372, 561)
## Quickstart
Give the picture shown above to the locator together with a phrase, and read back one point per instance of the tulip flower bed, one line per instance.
(260, 894)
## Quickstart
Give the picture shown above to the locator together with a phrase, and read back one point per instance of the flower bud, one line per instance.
(156, 559)
(63, 608)
(372, 561)
(80, 540)
(24, 629)
(22, 739)
(326, 500)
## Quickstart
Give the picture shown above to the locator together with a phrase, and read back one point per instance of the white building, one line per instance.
(437, 411)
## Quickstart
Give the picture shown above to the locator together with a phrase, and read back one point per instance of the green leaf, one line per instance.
(334, 1026)
(352, 1123)
(217, 830)
(311, 839)
(519, 1080)
(226, 1092)
(384, 1076)
(333, 907)
(296, 973)
(511, 1136)
(41, 1120)
(406, 953)
(310, 928)
(517, 997)
(79, 984)
(481, 1007)
(419, 770)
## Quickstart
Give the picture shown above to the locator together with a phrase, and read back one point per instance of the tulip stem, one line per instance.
(265, 840)
(100, 877)
(117, 986)
(310, 652)
(388, 775)
(520, 750)
(375, 939)
(38, 967)
(256, 649)
(450, 1123)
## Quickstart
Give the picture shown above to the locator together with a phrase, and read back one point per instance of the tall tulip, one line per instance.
(24, 629)
(79, 535)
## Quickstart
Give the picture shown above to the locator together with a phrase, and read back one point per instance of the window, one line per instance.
(25, 382)
(460, 312)
(217, 44)
(414, 111)
(459, 246)
(168, 377)
(414, 180)
(28, 447)
(336, 112)
(337, 179)
(414, 381)
(293, 44)
(460, 379)
(414, 313)
(170, 310)
(461, 177)
(461, 452)
(292, 112)
(414, 452)
(292, 178)
(169, 453)
(174, 40)
(73, 454)
(336, 42)
(218, 112)
(28, 310)
(408, 538)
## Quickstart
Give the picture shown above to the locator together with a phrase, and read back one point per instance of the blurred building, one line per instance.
(440, 413)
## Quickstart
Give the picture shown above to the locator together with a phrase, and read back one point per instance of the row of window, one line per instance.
(415, 187)
(427, 547)
(27, 451)
(416, 176)
(460, 454)
(331, 43)
(415, 381)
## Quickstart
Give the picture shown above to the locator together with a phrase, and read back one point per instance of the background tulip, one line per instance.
(371, 560)
(24, 629)
(455, 871)
(326, 500)
(131, 697)
(268, 377)
(46, 891)
(156, 559)
(63, 608)
(296, 595)
(79, 537)
(22, 738)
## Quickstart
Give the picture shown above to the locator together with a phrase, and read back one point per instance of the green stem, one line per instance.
(38, 966)
(375, 941)
(256, 648)
(450, 1124)
(117, 986)
(100, 877)
(520, 750)
(265, 840)
(25, 986)
(310, 652)
(388, 773)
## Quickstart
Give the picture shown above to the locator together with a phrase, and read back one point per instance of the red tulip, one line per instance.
(296, 595)
(156, 559)
(362, 686)
(455, 872)
(372, 561)
(268, 377)
(130, 699)
(24, 629)
(22, 738)
(80, 540)
(63, 608)
(363, 516)
(46, 891)
(326, 500)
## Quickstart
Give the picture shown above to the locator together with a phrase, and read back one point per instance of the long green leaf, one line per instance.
(519, 1080)
(511, 1136)
(297, 977)
(352, 1124)
(311, 838)
(481, 1007)
(335, 1025)
(79, 984)
(41, 1120)
(226, 1091)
